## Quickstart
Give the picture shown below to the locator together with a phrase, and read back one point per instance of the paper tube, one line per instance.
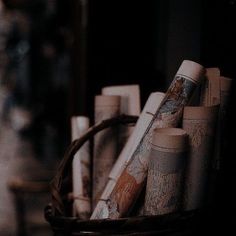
(200, 125)
(216, 90)
(166, 167)
(142, 124)
(169, 114)
(130, 98)
(130, 105)
(81, 170)
(210, 94)
(105, 143)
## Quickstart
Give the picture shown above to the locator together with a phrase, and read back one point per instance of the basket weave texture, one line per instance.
(58, 212)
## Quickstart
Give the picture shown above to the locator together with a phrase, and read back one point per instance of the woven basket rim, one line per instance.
(60, 182)
(60, 222)
(172, 221)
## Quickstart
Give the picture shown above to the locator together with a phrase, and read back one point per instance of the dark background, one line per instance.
(125, 42)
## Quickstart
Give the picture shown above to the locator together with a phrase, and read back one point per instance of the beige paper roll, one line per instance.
(169, 114)
(129, 105)
(200, 124)
(210, 94)
(81, 170)
(217, 91)
(166, 167)
(142, 124)
(130, 98)
(105, 143)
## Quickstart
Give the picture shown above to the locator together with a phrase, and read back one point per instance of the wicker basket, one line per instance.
(58, 212)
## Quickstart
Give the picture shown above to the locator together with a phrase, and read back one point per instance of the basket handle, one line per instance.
(60, 179)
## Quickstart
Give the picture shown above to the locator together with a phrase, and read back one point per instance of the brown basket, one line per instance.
(58, 212)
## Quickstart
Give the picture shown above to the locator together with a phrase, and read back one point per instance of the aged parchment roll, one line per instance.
(129, 105)
(105, 143)
(81, 167)
(166, 168)
(210, 94)
(200, 124)
(151, 106)
(131, 180)
(216, 90)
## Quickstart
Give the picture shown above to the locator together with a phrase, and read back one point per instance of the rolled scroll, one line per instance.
(166, 168)
(132, 179)
(142, 124)
(130, 105)
(81, 170)
(210, 94)
(105, 143)
(200, 125)
(130, 98)
(216, 90)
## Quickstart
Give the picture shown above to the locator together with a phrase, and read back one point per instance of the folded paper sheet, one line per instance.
(105, 143)
(166, 168)
(142, 124)
(200, 124)
(81, 170)
(132, 179)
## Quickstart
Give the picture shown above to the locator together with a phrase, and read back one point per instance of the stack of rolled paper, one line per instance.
(168, 154)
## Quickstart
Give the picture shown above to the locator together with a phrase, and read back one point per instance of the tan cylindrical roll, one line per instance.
(216, 90)
(129, 105)
(210, 94)
(81, 167)
(166, 167)
(169, 114)
(130, 97)
(105, 143)
(200, 125)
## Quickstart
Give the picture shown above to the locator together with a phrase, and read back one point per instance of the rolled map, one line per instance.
(166, 168)
(200, 124)
(132, 179)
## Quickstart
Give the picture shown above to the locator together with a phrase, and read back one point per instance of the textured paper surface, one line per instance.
(132, 178)
(216, 90)
(130, 98)
(200, 124)
(129, 105)
(210, 94)
(166, 167)
(105, 143)
(144, 120)
(81, 170)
